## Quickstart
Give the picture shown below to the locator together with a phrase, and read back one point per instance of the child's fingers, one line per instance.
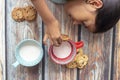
(45, 39)
(51, 42)
(57, 42)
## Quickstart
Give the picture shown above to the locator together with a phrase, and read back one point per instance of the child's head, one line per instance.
(96, 15)
(108, 15)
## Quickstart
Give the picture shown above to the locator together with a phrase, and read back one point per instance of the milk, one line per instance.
(63, 50)
(29, 52)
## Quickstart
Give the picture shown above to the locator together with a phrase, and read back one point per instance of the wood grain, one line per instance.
(54, 71)
(2, 41)
(116, 68)
(98, 47)
(17, 32)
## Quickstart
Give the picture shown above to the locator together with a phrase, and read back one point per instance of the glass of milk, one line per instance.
(28, 53)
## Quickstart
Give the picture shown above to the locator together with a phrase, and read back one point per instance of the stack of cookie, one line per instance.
(80, 61)
(27, 13)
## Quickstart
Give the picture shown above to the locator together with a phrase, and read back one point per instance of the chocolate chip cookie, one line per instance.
(30, 13)
(17, 14)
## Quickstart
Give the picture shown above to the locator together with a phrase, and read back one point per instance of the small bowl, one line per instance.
(65, 60)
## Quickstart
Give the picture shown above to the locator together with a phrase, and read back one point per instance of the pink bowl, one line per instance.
(69, 58)
(65, 60)
(58, 58)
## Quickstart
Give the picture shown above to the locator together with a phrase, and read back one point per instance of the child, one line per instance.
(96, 15)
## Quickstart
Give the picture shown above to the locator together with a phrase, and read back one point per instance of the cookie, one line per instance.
(81, 61)
(80, 51)
(65, 37)
(17, 14)
(71, 64)
(79, 54)
(30, 13)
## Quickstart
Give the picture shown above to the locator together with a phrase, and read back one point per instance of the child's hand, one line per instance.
(52, 32)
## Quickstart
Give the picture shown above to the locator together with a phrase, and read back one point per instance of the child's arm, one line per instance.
(44, 11)
(52, 25)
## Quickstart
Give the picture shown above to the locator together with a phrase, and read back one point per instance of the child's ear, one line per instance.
(95, 3)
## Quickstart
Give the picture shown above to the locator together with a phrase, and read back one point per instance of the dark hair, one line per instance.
(108, 15)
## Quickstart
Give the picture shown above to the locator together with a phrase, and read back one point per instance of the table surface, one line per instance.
(103, 49)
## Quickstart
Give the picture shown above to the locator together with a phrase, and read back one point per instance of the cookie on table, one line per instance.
(81, 61)
(72, 64)
(80, 51)
(30, 13)
(79, 54)
(17, 14)
(65, 37)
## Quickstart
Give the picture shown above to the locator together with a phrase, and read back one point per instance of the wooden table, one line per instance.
(103, 49)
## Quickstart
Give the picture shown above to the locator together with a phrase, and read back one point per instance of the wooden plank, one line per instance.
(116, 68)
(2, 41)
(98, 47)
(54, 71)
(15, 33)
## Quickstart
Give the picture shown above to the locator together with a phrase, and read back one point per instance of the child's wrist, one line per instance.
(52, 22)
